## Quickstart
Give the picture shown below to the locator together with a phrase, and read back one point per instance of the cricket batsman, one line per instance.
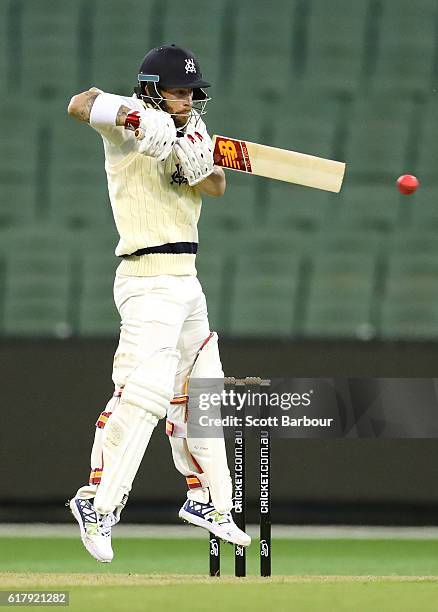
(158, 161)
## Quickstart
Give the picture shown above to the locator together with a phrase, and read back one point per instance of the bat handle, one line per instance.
(139, 134)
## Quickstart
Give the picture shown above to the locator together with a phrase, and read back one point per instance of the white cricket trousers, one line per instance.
(158, 312)
(164, 312)
(170, 312)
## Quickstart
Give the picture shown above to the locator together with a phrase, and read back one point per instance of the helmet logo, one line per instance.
(190, 66)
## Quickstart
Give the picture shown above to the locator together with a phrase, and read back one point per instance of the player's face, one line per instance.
(179, 101)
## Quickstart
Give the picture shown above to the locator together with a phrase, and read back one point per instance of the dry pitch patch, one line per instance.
(42, 580)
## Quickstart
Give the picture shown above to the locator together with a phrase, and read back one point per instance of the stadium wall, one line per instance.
(52, 392)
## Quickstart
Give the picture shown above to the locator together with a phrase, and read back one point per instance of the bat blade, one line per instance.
(280, 164)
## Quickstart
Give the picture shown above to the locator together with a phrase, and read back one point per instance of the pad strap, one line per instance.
(193, 482)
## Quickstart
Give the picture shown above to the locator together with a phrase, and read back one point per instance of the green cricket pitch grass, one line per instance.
(308, 575)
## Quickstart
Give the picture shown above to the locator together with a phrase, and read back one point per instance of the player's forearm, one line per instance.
(215, 184)
(81, 105)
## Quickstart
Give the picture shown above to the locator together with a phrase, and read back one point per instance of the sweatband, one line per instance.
(104, 110)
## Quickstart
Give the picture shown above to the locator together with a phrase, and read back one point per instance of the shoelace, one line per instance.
(106, 522)
(103, 523)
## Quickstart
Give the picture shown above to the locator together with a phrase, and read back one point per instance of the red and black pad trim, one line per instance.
(179, 399)
(102, 420)
(96, 476)
(193, 482)
(170, 427)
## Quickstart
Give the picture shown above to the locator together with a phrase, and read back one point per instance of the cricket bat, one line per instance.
(279, 164)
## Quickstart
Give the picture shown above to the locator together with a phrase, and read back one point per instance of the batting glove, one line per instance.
(195, 153)
(155, 132)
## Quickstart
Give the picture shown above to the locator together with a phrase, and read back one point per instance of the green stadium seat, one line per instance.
(213, 240)
(407, 39)
(200, 31)
(412, 276)
(335, 50)
(17, 203)
(50, 42)
(263, 41)
(18, 162)
(377, 146)
(122, 34)
(368, 206)
(341, 296)
(309, 126)
(37, 293)
(299, 208)
(78, 193)
(410, 304)
(409, 321)
(98, 315)
(231, 119)
(103, 240)
(265, 295)
(427, 162)
(413, 241)
(42, 239)
(212, 275)
(283, 242)
(424, 207)
(347, 241)
(234, 211)
(4, 55)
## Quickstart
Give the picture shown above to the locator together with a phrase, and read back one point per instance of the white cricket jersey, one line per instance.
(151, 201)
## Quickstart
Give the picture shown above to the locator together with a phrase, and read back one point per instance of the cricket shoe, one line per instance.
(95, 528)
(221, 525)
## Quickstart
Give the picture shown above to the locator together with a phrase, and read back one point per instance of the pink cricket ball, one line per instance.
(407, 184)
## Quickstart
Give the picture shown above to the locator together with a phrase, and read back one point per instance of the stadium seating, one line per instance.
(18, 168)
(424, 207)
(348, 241)
(410, 301)
(345, 80)
(50, 47)
(229, 118)
(407, 38)
(427, 161)
(265, 296)
(122, 34)
(413, 241)
(298, 208)
(336, 45)
(302, 123)
(5, 28)
(97, 314)
(378, 142)
(206, 21)
(235, 211)
(262, 40)
(341, 295)
(369, 207)
(38, 282)
(213, 274)
(78, 194)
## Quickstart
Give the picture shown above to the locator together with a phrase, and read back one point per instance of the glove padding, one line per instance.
(195, 153)
(159, 134)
